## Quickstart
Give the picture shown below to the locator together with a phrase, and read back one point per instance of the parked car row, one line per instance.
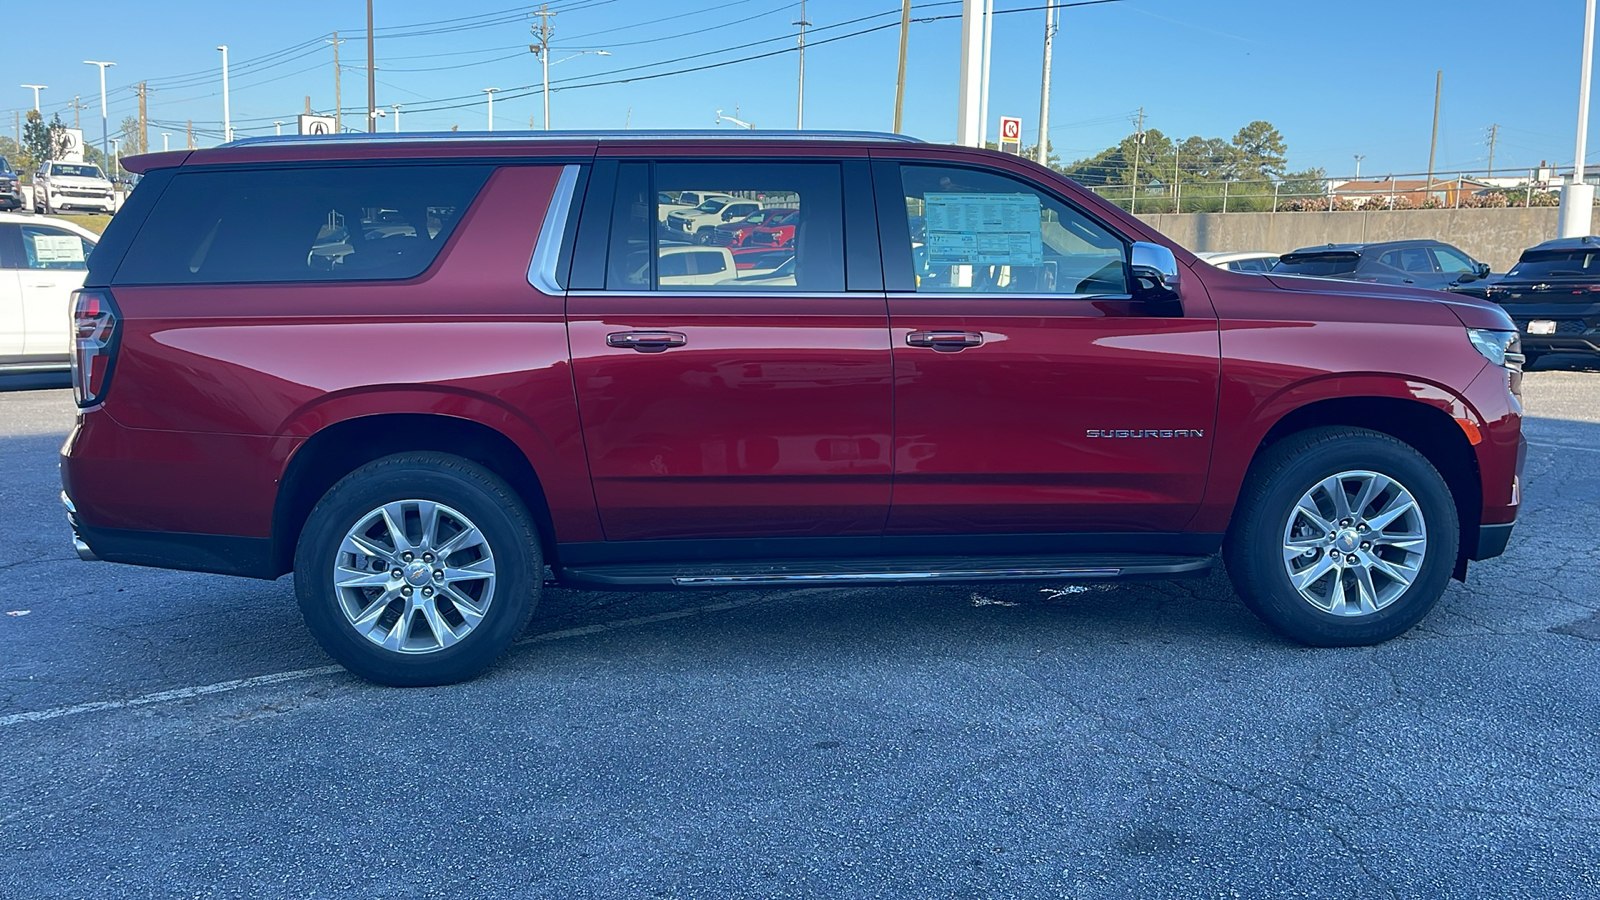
(42, 261)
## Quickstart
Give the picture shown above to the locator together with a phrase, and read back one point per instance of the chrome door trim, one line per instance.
(878, 577)
(547, 250)
(999, 295)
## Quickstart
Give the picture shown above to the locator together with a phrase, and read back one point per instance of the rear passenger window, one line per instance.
(727, 227)
(301, 224)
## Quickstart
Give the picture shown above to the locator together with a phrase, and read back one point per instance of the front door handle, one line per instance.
(646, 341)
(944, 341)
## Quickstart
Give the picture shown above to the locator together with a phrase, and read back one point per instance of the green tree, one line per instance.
(36, 144)
(1262, 153)
(133, 137)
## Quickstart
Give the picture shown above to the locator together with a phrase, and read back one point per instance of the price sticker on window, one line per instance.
(57, 248)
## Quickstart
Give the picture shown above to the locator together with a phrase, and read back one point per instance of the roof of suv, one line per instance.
(1572, 243)
(1362, 249)
(293, 146)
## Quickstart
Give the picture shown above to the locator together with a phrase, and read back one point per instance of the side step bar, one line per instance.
(855, 572)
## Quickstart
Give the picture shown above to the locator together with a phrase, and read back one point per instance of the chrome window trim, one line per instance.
(547, 250)
(1000, 295)
(802, 295)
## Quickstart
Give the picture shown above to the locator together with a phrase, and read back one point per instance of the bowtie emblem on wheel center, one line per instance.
(1347, 540)
(418, 574)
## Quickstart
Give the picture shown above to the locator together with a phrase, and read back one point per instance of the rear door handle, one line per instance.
(646, 341)
(944, 341)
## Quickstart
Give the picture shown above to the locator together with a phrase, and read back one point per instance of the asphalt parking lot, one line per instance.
(179, 735)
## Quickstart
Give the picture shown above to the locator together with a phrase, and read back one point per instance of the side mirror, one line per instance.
(1154, 268)
(1483, 270)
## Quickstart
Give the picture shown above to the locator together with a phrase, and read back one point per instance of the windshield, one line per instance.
(1330, 266)
(1558, 264)
(711, 206)
(5, 166)
(784, 220)
(75, 171)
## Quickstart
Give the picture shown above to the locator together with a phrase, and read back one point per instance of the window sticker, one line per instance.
(984, 230)
(58, 248)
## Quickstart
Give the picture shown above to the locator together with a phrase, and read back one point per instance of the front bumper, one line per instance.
(1577, 326)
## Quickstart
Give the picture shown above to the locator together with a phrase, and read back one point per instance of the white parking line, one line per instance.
(223, 687)
(1563, 447)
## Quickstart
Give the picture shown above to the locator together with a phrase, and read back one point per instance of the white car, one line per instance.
(665, 205)
(1257, 261)
(72, 185)
(688, 224)
(682, 265)
(42, 261)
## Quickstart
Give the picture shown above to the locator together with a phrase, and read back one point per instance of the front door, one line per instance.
(13, 331)
(1036, 390)
(723, 396)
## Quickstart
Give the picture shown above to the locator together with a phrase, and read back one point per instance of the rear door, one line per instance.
(1034, 392)
(55, 260)
(716, 407)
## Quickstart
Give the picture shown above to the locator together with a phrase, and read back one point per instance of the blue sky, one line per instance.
(1337, 79)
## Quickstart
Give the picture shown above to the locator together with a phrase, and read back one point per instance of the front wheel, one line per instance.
(1343, 537)
(418, 569)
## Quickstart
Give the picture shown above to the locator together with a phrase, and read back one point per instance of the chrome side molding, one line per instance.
(883, 577)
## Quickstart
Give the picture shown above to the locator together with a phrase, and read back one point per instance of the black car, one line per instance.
(1553, 294)
(1423, 264)
(10, 186)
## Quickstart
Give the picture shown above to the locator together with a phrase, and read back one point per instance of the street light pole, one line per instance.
(227, 116)
(1052, 22)
(490, 92)
(164, 136)
(396, 108)
(36, 89)
(1577, 196)
(1359, 158)
(105, 131)
(372, 78)
(279, 126)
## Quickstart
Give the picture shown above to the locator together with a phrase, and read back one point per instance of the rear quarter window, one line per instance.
(1318, 266)
(350, 223)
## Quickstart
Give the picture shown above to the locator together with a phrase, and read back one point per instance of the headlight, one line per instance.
(1503, 348)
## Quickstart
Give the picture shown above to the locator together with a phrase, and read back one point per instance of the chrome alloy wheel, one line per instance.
(1354, 543)
(414, 576)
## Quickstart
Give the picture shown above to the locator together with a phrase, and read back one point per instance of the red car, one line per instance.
(735, 234)
(777, 232)
(367, 363)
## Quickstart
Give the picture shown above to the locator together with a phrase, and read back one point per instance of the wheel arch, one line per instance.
(1442, 438)
(340, 448)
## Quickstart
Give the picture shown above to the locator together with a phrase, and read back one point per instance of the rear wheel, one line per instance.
(1343, 537)
(418, 569)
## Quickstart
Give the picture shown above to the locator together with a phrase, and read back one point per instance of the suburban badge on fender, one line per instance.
(1146, 433)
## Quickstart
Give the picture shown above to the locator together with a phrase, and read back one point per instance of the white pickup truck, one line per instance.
(72, 185)
(696, 223)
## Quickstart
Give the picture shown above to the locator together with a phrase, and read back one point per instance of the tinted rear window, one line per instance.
(1318, 266)
(1558, 264)
(301, 224)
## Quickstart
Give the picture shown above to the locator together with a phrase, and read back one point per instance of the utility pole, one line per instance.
(191, 134)
(36, 89)
(1577, 196)
(338, 95)
(1052, 22)
(1438, 88)
(900, 80)
(1138, 151)
(308, 104)
(543, 31)
(983, 87)
(800, 106)
(372, 78)
(1494, 136)
(967, 118)
(490, 92)
(144, 121)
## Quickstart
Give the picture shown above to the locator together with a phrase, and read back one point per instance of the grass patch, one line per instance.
(95, 223)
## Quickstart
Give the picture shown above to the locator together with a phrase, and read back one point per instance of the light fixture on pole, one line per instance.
(734, 119)
(396, 108)
(36, 89)
(490, 92)
(105, 133)
(1359, 158)
(227, 116)
(1577, 196)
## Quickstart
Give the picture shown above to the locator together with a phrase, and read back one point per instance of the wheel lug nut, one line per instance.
(1352, 559)
(1365, 545)
(406, 556)
(405, 592)
(427, 592)
(438, 574)
(1363, 528)
(396, 573)
(427, 557)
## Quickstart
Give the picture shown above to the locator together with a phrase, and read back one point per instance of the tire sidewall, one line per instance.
(1276, 598)
(518, 568)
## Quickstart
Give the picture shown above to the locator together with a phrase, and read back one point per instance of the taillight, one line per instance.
(94, 344)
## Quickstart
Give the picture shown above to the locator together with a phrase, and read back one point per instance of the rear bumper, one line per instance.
(218, 553)
(1492, 540)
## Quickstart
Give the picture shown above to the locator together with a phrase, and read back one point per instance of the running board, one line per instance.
(856, 572)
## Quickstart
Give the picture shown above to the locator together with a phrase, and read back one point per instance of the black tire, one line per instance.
(491, 506)
(1254, 548)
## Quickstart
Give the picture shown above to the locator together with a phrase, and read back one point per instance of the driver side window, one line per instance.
(982, 232)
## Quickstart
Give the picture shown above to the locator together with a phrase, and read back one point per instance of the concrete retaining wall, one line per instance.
(1495, 236)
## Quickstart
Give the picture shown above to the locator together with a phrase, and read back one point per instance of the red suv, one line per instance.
(430, 375)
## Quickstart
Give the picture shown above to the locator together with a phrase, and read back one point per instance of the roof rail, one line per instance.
(555, 136)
